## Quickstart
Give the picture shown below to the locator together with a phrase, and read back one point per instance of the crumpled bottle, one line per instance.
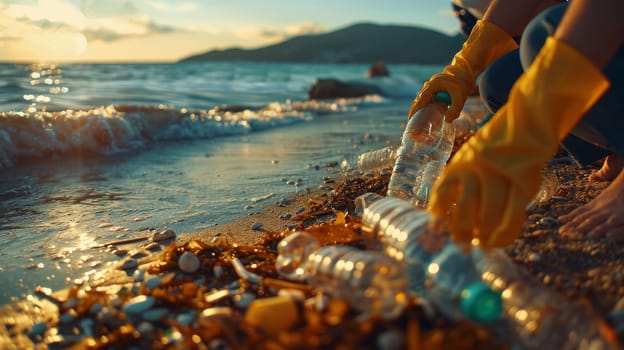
(482, 286)
(427, 137)
(535, 316)
(369, 281)
(371, 161)
(438, 269)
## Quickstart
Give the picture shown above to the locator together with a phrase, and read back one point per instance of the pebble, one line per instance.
(128, 264)
(186, 318)
(138, 304)
(390, 340)
(283, 202)
(534, 257)
(286, 216)
(145, 328)
(120, 252)
(87, 326)
(155, 314)
(138, 275)
(300, 210)
(153, 282)
(256, 226)
(188, 262)
(549, 221)
(38, 328)
(66, 318)
(163, 235)
(96, 308)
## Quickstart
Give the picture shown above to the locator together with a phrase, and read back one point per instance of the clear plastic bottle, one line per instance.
(535, 316)
(369, 281)
(482, 286)
(427, 136)
(438, 269)
(548, 188)
(371, 161)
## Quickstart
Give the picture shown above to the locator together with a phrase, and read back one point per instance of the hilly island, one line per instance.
(358, 43)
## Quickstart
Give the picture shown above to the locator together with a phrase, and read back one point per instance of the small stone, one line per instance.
(128, 264)
(185, 318)
(534, 257)
(155, 314)
(153, 282)
(138, 304)
(67, 318)
(163, 235)
(256, 226)
(188, 262)
(273, 315)
(145, 328)
(390, 340)
(138, 275)
(283, 202)
(548, 221)
(286, 216)
(38, 328)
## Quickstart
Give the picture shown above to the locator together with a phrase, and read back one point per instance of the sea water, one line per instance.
(92, 153)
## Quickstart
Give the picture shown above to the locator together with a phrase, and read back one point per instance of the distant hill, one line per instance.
(359, 43)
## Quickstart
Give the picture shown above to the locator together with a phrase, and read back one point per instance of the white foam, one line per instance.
(111, 129)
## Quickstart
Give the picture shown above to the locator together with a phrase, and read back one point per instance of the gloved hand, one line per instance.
(496, 173)
(486, 43)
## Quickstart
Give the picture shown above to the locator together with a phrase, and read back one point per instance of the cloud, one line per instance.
(107, 8)
(274, 35)
(179, 7)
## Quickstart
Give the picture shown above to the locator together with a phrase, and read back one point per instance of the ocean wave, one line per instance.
(111, 129)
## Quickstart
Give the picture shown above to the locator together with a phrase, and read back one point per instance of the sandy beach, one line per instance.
(212, 306)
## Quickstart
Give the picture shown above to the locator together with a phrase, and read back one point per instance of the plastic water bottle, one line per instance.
(438, 269)
(426, 137)
(371, 161)
(548, 188)
(481, 286)
(369, 281)
(536, 317)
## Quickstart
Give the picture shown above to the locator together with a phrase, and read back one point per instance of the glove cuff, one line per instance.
(487, 43)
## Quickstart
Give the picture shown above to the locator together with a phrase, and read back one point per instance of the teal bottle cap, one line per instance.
(479, 303)
(442, 97)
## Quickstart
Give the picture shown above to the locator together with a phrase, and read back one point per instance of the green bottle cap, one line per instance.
(479, 303)
(442, 97)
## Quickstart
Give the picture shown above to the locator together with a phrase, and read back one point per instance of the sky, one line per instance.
(168, 30)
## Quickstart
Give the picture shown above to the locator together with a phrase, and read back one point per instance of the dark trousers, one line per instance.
(601, 131)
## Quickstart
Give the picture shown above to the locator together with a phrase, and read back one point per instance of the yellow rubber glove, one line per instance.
(496, 173)
(487, 42)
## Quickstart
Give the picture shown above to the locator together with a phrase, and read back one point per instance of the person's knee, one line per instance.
(536, 32)
(497, 80)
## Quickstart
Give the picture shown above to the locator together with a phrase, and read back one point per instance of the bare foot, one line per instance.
(611, 167)
(602, 217)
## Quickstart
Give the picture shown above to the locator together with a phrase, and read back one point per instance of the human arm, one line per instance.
(494, 175)
(489, 39)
